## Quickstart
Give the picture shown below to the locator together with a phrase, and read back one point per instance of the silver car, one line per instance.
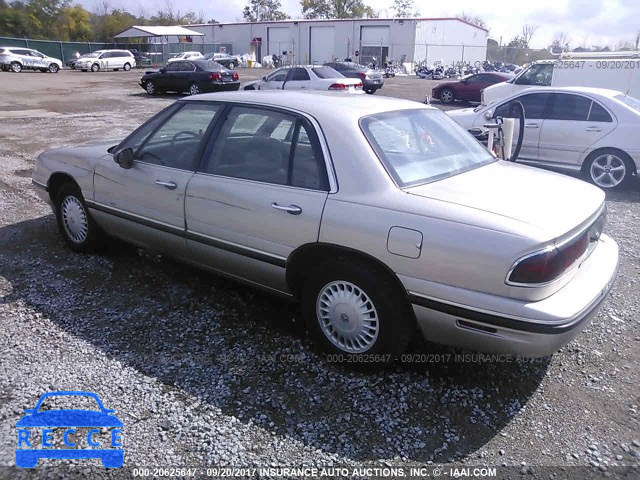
(379, 215)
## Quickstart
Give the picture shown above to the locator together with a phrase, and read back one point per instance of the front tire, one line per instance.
(150, 88)
(95, 67)
(609, 168)
(447, 96)
(127, 67)
(355, 312)
(53, 68)
(78, 228)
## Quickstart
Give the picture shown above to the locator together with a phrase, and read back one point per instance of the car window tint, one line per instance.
(299, 74)
(172, 67)
(534, 106)
(308, 169)
(473, 79)
(599, 114)
(569, 107)
(176, 142)
(277, 76)
(254, 144)
(326, 72)
(538, 74)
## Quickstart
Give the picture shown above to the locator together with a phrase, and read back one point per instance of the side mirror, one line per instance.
(124, 158)
(264, 78)
(488, 115)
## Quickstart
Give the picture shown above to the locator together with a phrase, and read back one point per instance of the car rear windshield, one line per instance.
(629, 101)
(208, 65)
(423, 145)
(326, 72)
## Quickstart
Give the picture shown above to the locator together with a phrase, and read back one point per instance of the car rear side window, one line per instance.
(299, 74)
(566, 106)
(599, 114)
(326, 72)
(268, 146)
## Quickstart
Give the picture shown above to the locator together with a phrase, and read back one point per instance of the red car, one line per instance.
(467, 88)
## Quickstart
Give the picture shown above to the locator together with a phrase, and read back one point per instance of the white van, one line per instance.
(616, 72)
(106, 60)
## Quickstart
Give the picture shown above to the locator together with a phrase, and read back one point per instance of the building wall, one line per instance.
(407, 37)
(449, 41)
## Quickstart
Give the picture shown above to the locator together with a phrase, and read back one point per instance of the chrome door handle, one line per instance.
(532, 125)
(169, 185)
(292, 209)
(593, 129)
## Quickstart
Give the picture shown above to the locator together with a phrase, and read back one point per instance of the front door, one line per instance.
(275, 81)
(145, 204)
(258, 196)
(534, 108)
(298, 79)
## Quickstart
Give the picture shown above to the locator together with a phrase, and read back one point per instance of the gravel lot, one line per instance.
(205, 372)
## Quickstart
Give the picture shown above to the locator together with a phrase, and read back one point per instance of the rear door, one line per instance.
(145, 204)
(535, 105)
(572, 124)
(259, 194)
(297, 79)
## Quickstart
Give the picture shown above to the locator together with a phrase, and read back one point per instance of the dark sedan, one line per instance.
(193, 76)
(467, 88)
(229, 61)
(371, 79)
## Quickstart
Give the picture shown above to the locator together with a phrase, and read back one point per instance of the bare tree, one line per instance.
(528, 31)
(476, 20)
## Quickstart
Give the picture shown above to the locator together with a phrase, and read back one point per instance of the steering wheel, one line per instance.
(160, 161)
(183, 132)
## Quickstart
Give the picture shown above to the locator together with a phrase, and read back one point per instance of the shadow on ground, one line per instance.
(196, 332)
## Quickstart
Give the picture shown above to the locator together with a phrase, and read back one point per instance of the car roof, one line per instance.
(317, 104)
(605, 92)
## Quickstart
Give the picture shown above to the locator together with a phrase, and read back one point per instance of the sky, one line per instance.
(585, 22)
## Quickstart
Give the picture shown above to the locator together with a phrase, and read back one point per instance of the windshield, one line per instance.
(326, 72)
(629, 101)
(92, 55)
(423, 145)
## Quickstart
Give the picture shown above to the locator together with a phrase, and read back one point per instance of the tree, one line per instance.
(404, 9)
(528, 31)
(475, 20)
(560, 43)
(75, 24)
(261, 10)
(336, 9)
(49, 13)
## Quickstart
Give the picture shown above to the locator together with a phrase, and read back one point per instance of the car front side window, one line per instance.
(534, 106)
(176, 142)
(539, 74)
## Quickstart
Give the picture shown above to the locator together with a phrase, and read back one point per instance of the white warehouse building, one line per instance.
(450, 40)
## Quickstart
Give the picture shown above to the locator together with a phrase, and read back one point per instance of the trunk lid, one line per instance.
(552, 203)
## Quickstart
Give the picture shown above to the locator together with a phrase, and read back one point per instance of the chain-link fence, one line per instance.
(151, 54)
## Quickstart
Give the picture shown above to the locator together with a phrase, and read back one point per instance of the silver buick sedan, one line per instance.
(383, 217)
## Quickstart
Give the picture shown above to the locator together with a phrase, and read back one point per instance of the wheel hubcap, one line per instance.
(608, 171)
(194, 90)
(150, 88)
(74, 219)
(347, 317)
(446, 96)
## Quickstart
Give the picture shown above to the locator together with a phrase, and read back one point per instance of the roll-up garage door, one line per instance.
(321, 44)
(378, 36)
(279, 39)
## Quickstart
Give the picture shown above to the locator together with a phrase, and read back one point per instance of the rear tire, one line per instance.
(447, 96)
(95, 67)
(609, 168)
(355, 313)
(16, 67)
(194, 89)
(78, 228)
(370, 91)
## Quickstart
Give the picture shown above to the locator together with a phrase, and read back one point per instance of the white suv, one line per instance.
(16, 59)
(107, 60)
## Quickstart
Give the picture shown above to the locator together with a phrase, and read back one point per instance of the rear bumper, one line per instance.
(220, 87)
(370, 85)
(551, 324)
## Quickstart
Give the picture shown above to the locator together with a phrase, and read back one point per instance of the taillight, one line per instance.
(358, 86)
(362, 75)
(215, 76)
(546, 266)
(339, 86)
(235, 76)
